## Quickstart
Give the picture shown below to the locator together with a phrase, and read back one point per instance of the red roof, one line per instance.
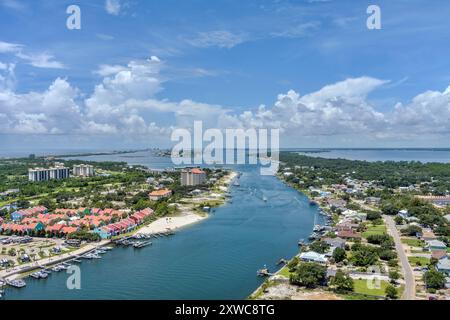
(197, 171)
(68, 230)
(348, 234)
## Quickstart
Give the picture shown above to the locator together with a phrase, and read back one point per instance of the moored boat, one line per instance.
(18, 283)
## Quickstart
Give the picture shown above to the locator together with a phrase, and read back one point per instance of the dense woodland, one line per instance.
(389, 173)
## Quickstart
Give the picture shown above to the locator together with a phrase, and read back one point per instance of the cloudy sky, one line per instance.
(138, 69)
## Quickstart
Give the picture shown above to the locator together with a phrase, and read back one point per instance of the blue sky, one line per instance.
(314, 61)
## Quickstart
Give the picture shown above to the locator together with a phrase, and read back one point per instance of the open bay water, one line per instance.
(423, 155)
(214, 259)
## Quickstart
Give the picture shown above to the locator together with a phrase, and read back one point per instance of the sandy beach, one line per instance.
(187, 214)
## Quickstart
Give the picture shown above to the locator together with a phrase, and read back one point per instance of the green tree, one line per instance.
(364, 256)
(309, 275)
(394, 276)
(319, 246)
(293, 264)
(434, 279)
(391, 292)
(342, 282)
(339, 255)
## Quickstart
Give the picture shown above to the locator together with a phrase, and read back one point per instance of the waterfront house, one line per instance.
(351, 215)
(336, 203)
(443, 265)
(350, 235)
(346, 226)
(104, 232)
(335, 242)
(312, 256)
(433, 245)
(160, 194)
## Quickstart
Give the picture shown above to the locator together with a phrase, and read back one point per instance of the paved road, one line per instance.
(50, 261)
(410, 283)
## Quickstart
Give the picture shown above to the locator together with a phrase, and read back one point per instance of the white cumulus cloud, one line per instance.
(113, 7)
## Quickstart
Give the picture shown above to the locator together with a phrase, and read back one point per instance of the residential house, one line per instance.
(439, 254)
(160, 194)
(312, 256)
(337, 203)
(404, 214)
(433, 245)
(350, 235)
(335, 242)
(373, 200)
(443, 265)
(447, 217)
(428, 235)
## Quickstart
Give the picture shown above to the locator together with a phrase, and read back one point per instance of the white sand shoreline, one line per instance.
(187, 217)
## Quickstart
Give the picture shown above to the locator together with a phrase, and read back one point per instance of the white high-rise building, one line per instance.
(83, 170)
(44, 174)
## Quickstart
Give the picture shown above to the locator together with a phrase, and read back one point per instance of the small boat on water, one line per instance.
(92, 255)
(314, 236)
(301, 242)
(16, 283)
(107, 248)
(39, 275)
(46, 271)
(265, 199)
(142, 244)
(237, 184)
(318, 228)
(56, 269)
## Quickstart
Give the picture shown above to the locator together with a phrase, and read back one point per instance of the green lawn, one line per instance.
(413, 242)
(374, 230)
(285, 272)
(415, 260)
(361, 287)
